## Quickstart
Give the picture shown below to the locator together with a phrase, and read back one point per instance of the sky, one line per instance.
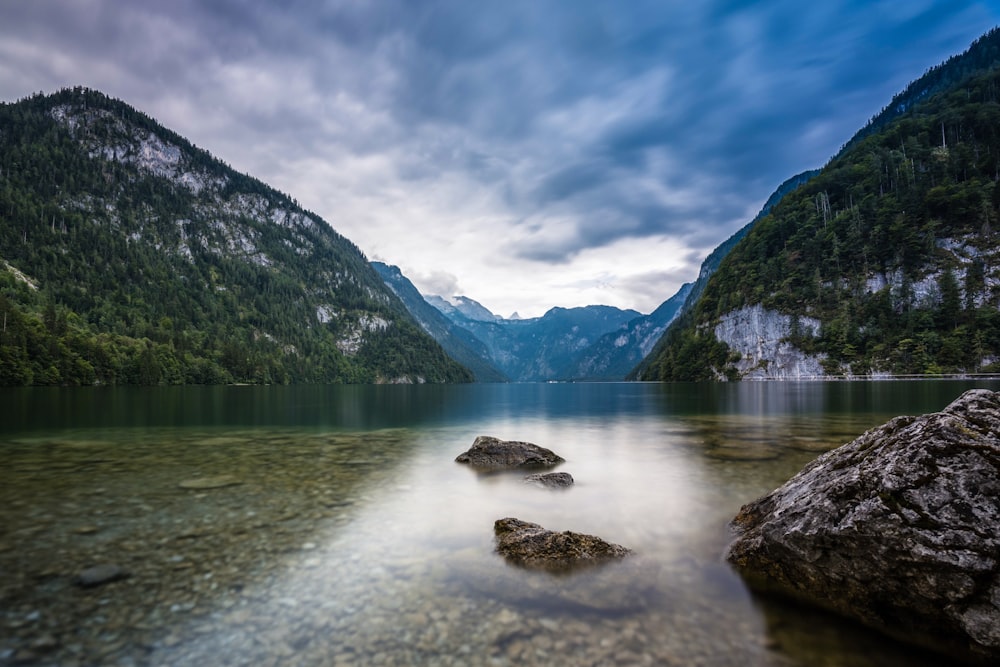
(524, 153)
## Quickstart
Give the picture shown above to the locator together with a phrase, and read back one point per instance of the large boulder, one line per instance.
(899, 529)
(528, 544)
(490, 452)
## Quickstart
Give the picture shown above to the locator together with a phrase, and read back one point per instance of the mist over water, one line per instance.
(341, 531)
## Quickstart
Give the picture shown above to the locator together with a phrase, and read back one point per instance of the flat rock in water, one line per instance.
(899, 529)
(551, 480)
(99, 575)
(528, 544)
(490, 452)
(216, 482)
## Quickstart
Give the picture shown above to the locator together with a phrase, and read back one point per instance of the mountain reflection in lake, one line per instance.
(330, 525)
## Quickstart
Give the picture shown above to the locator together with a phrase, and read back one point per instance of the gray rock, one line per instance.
(899, 529)
(99, 575)
(490, 452)
(528, 544)
(551, 480)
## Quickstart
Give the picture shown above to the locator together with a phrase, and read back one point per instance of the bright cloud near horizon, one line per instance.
(527, 154)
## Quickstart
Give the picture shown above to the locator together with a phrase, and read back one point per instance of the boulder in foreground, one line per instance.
(490, 452)
(528, 544)
(899, 529)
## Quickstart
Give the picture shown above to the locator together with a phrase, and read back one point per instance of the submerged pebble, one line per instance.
(100, 574)
(216, 482)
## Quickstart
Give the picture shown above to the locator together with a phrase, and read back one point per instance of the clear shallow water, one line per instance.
(342, 531)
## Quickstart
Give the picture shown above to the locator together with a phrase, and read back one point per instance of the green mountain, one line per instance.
(886, 262)
(128, 256)
(714, 259)
(460, 344)
(613, 355)
(539, 349)
(692, 293)
(575, 344)
(981, 57)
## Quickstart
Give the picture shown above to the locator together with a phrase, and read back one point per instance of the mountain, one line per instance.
(593, 343)
(456, 341)
(979, 58)
(714, 259)
(708, 267)
(463, 307)
(615, 354)
(537, 349)
(129, 256)
(885, 263)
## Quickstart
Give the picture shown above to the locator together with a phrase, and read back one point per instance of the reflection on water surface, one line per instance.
(331, 525)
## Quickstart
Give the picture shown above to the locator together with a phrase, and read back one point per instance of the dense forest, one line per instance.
(129, 256)
(892, 247)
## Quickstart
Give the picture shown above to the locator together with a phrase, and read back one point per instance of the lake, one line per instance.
(331, 526)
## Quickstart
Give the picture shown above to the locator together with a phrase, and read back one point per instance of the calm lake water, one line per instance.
(331, 525)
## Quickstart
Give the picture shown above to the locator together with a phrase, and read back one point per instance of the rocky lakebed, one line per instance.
(244, 548)
(271, 546)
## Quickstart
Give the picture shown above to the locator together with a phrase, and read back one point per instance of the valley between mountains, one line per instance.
(130, 256)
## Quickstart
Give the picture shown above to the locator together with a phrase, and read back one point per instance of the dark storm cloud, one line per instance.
(573, 126)
(750, 85)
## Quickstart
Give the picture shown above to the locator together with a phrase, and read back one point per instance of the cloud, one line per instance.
(440, 283)
(516, 148)
(654, 287)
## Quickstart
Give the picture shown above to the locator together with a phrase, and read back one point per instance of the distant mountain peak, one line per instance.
(560, 345)
(468, 308)
(459, 343)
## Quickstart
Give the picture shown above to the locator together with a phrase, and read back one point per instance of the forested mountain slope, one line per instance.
(612, 356)
(538, 349)
(460, 344)
(981, 57)
(710, 265)
(887, 262)
(129, 256)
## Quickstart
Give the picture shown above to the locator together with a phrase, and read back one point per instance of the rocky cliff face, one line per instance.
(761, 338)
(688, 295)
